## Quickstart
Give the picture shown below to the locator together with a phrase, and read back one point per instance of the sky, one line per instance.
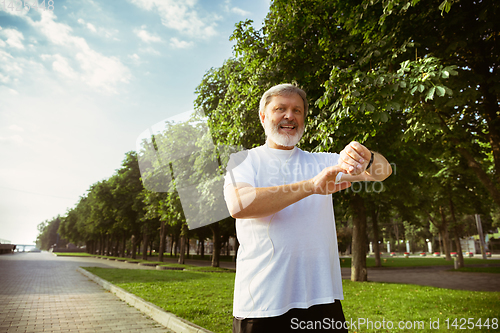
(82, 79)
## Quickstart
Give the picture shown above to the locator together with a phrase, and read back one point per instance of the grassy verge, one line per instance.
(416, 262)
(72, 254)
(209, 269)
(206, 257)
(344, 262)
(206, 300)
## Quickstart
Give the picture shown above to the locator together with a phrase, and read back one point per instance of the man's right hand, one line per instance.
(325, 182)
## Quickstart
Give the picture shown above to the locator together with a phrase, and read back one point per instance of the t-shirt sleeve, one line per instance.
(334, 159)
(240, 169)
(327, 159)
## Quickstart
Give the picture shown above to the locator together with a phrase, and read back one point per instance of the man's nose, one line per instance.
(289, 114)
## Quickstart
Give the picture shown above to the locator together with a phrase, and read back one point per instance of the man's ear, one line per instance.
(262, 116)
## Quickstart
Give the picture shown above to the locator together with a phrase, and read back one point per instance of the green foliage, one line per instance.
(426, 97)
(111, 207)
(48, 235)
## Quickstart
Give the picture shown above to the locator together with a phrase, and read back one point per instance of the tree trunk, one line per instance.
(105, 250)
(444, 232)
(145, 242)
(378, 263)
(134, 246)
(202, 248)
(396, 232)
(440, 244)
(101, 245)
(114, 245)
(457, 239)
(187, 247)
(182, 250)
(359, 241)
(459, 249)
(181, 259)
(163, 231)
(123, 246)
(216, 240)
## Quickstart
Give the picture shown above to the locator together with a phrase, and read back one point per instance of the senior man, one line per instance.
(288, 269)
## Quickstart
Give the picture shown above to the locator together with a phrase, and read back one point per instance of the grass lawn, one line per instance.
(72, 254)
(413, 262)
(206, 300)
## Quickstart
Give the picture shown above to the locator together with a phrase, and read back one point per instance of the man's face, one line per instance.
(284, 121)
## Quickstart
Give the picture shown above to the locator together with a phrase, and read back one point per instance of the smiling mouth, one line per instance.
(287, 127)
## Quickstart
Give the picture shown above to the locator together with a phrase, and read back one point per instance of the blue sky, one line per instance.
(80, 83)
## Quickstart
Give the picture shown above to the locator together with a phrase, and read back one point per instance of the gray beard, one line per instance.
(285, 140)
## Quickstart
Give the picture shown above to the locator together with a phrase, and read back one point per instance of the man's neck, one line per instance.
(271, 144)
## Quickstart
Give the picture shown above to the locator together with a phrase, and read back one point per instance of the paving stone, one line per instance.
(42, 293)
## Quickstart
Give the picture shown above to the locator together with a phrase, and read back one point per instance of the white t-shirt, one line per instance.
(289, 259)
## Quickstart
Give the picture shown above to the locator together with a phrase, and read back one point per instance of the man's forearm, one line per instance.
(251, 202)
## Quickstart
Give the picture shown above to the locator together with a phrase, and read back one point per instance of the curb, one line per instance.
(167, 319)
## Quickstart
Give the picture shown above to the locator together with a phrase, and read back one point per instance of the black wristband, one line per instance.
(371, 161)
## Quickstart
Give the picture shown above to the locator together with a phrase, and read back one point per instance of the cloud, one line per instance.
(146, 36)
(239, 11)
(235, 10)
(13, 139)
(135, 58)
(4, 78)
(101, 71)
(14, 38)
(89, 26)
(16, 128)
(150, 50)
(9, 67)
(98, 71)
(182, 16)
(61, 66)
(179, 44)
(107, 33)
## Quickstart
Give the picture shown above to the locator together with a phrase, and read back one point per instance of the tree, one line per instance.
(48, 236)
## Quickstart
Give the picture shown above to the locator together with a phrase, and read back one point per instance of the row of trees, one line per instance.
(416, 80)
(118, 214)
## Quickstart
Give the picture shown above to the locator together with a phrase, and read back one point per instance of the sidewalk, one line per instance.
(42, 293)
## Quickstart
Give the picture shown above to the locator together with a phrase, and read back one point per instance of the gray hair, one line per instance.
(282, 90)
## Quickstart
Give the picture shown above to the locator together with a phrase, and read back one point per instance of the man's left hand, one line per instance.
(354, 158)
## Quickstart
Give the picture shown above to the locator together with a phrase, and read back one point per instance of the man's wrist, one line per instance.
(371, 161)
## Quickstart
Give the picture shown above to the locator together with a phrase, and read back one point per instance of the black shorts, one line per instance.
(317, 318)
